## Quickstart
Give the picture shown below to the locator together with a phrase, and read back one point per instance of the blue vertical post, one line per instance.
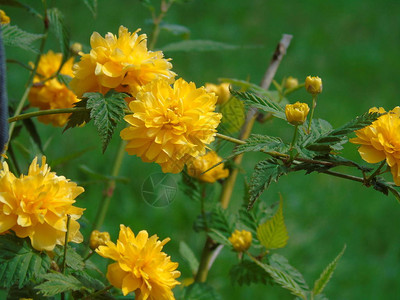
(3, 97)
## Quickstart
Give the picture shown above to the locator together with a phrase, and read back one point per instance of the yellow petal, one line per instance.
(370, 154)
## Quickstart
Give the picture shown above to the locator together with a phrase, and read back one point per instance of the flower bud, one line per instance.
(75, 49)
(200, 164)
(4, 19)
(221, 90)
(291, 83)
(241, 240)
(98, 238)
(296, 114)
(314, 85)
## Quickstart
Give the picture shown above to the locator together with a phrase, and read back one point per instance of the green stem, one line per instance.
(373, 175)
(89, 255)
(165, 6)
(293, 142)
(229, 139)
(102, 291)
(202, 272)
(314, 104)
(65, 245)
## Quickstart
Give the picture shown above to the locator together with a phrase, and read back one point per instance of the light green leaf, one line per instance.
(64, 79)
(19, 263)
(20, 4)
(233, 116)
(106, 111)
(73, 260)
(16, 37)
(326, 275)
(175, 29)
(189, 256)
(92, 6)
(273, 233)
(200, 291)
(218, 237)
(61, 32)
(264, 103)
(283, 279)
(265, 172)
(198, 46)
(58, 283)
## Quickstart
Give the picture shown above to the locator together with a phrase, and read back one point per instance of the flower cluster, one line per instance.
(199, 165)
(140, 265)
(36, 206)
(221, 90)
(381, 140)
(241, 240)
(122, 63)
(170, 125)
(49, 93)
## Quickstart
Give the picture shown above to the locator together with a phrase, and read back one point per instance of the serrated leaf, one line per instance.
(283, 279)
(233, 116)
(264, 103)
(326, 275)
(61, 32)
(73, 260)
(19, 262)
(265, 172)
(58, 283)
(218, 237)
(200, 291)
(279, 261)
(222, 221)
(198, 46)
(273, 233)
(261, 143)
(188, 255)
(247, 272)
(92, 6)
(16, 37)
(106, 111)
(78, 118)
(190, 187)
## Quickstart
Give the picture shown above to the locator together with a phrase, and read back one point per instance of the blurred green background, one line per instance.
(352, 45)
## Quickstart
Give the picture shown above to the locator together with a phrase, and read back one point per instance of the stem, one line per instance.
(229, 139)
(205, 259)
(345, 176)
(373, 175)
(66, 245)
(293, 141)
(89, 255)
(314, 104)
(102, 291)
(156, 21)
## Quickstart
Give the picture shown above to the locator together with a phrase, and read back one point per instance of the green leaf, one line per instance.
(20, 4)
(175, 29)
(222, 221)
(273, 233)
(218, 237)
(247, 272)
(326, 275)
(19, 263)
(58, 283)
(92, 6)
(106, 111)
(233, 116)
(16, 37)
(200, 291)
(31, 128)
(280, 262)
(198, 46)
(73, 260)
(64, 79)
(56, 19)
(261, 143)
(190, 187)
(78, 118)
(189, 256)
(265, 172)
(283, 279)
(102, 177)
(264, 104)
(67, 158)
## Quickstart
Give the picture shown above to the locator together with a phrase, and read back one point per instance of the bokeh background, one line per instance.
(352, 45)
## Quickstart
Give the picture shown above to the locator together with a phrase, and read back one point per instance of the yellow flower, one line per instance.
(170, 124)
(241, 240)
(52, 94)
(202, 163)
(296, 114)
(4, 19)
(37, 205)
(122, 63)
(221, 90)
(381, 140)
(140, 265)
(291, 83)
(76, 48)
(98, 238)
(313, 85)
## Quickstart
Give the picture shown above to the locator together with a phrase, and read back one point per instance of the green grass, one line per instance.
(352, 46)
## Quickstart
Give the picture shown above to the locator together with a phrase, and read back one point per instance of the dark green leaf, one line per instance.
(200, 291)
(19, 263)
(175, 29)
(233, 116)
(280, 262)
(326, 275)
(198, 46)
(190, 187)
(247, 272)
(78, 118)
(188, 255)
(264, 103)
(58, 283)
(73, 259)
(16, 37)
(56, 19)
(20, 4)
(265, 172)
(222, 221)
(102, 177)
(263, 143)
(31, 128)
(106, 111)
(92, 5)
(65, 159)
(64, 79)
